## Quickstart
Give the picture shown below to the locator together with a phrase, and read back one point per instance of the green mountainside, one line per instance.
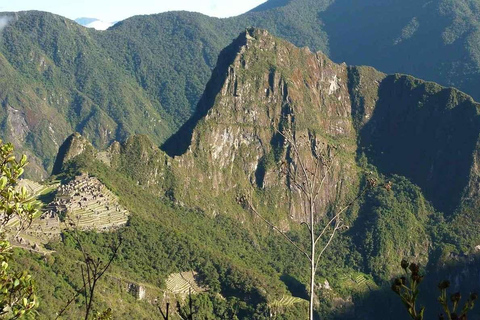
(145, 75)
(187, 208)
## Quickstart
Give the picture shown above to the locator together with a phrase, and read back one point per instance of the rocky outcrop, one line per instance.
(270, 87)
(73, 146)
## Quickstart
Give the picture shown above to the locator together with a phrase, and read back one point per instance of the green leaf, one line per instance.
(23, 161)
(3, 182)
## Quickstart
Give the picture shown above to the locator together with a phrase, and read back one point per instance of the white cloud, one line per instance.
(99, 25)
(4, 21)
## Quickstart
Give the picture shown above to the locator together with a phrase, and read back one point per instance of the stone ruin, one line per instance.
(138, 291)
(85, 202)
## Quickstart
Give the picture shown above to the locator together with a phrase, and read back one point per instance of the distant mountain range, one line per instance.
(94, 23)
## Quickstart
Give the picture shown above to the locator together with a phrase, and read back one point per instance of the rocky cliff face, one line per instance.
(271, 88)
(404, 125)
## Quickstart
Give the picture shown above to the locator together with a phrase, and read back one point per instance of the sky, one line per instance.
(116, 10)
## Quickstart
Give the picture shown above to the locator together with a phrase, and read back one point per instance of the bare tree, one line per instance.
(92, 269)
(164, 314)
(309, 178)
(184, 315)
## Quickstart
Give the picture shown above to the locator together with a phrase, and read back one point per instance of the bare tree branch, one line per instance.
(69, 302)
(277, 229)
(337, 225)
(292, 143)
(310, 182)
(91, 270)
(306, 224)
(341, 211)
(325, 174)
(164, 315)
(327, 226)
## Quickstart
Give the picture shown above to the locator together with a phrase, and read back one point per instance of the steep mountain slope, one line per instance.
(426, 133)
(434, 40)
(269, 86)
(147, 73)
(403, 125)
(233, 150)
(60, 80)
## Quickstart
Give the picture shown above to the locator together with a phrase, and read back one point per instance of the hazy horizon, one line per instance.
(111, 11)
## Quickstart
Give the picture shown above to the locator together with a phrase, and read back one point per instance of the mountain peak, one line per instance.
(73, 146)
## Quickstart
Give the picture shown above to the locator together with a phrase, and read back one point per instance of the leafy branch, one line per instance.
(407, 288)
